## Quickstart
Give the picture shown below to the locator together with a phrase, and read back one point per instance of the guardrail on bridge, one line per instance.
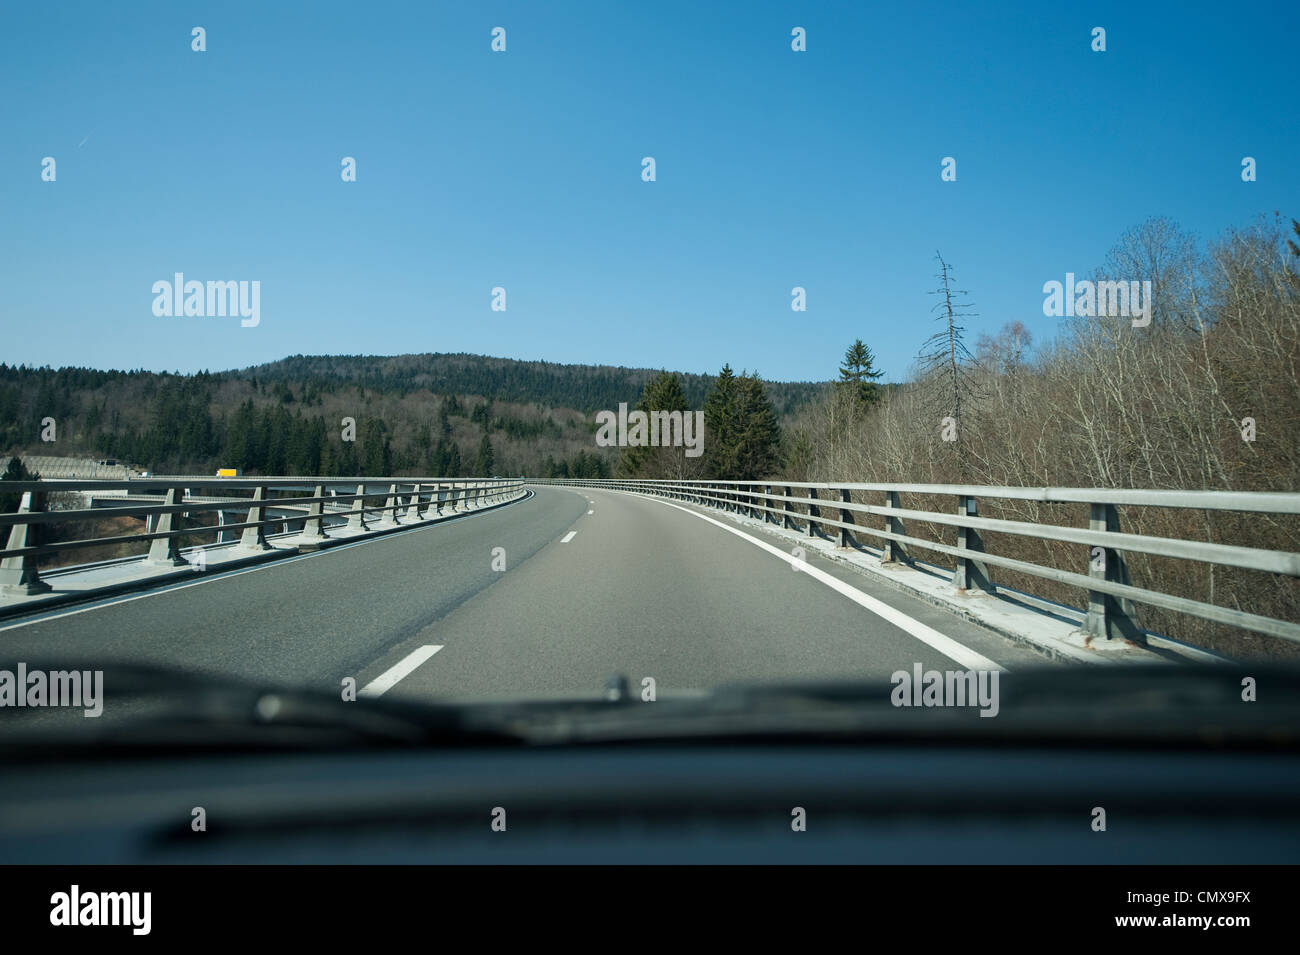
(1111, 593)
(406, 500)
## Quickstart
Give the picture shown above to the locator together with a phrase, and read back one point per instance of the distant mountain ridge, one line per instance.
(586, 388)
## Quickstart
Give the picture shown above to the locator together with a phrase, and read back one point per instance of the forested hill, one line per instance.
(444, 414)
(586, 388)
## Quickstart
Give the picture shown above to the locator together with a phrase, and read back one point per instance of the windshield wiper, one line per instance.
(167, 709)
(156, 707)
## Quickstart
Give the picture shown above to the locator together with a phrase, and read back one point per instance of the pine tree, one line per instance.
(742, 435)
(858, 373)
(16, 471)
(720, 424)
(377, 452)
(345, 459)
(662, 393)
(486, 461)
(241, 438)
(757, 450)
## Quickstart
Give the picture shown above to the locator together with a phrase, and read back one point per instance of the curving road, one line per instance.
(595, 583)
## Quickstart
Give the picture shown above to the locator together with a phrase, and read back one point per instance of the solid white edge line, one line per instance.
(568, 537)
(388, 679)
(926, 634)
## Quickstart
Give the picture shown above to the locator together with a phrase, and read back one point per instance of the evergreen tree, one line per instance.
(756, 452)
(858, 373)
(346, 463)
(661, 393)
(486, 462)
(241, 440)
(16, 471)
(720, 424)
(377, 452)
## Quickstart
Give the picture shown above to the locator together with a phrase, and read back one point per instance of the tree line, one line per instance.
(741, 439)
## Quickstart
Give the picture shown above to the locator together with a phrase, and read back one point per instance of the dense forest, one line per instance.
(446, 415)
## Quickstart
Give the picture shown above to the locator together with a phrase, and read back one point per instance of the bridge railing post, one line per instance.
(391, 505)
(1109, 616)
(314, 529)
(846, 517)
(254, 538)
(970, 572)
(788, 522)
(894, 551)
(166, 551)
(20, 576)
(357, 520)
(814, 513)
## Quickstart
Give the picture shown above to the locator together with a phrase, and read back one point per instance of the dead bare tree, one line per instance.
(947, 367)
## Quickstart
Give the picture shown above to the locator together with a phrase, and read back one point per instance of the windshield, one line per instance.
(739, 379)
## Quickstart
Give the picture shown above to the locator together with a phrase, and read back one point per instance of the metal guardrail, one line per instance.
(406, 500)
(1111, 594)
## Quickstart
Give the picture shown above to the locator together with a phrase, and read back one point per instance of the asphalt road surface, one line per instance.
(595, 583)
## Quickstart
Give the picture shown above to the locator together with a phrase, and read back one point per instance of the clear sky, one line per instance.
(523, 170)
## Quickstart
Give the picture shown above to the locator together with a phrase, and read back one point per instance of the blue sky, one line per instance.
(523, 170)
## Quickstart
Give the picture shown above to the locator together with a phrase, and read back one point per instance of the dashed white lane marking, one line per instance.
(388, 679)
(926, 634)
(568, 537)
(591, 512)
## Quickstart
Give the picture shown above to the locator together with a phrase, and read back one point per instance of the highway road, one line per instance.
(595, 583)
